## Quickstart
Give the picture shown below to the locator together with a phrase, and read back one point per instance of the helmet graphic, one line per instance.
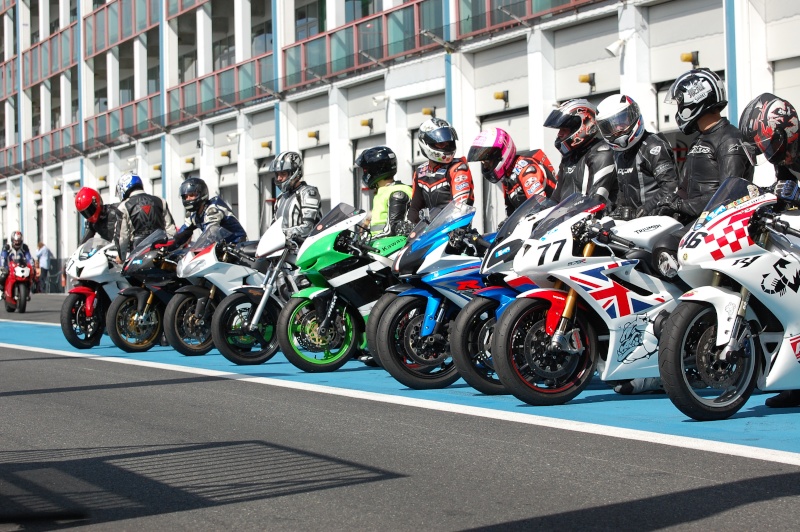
(377, 164)
(620, 122)
(496, 152)
(437, 140)
(197, 188)
(695, 93)
(128, 182)
(770, 125)
(575, 120)
(287, 161)
(89, 203)
(16, 240)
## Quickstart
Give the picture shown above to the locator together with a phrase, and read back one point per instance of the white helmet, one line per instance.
(437, 140)
(620, 122)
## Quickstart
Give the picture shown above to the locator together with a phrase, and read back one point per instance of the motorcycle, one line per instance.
(135, 318)
(322, 326)
(412, 340)
(737, 328)
(243, 325)
(215, 269)
(97, 281)
(471, 337)
(547, 343)
(17, 291)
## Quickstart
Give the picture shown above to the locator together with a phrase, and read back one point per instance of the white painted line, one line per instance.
(731, 449)
(31, 322)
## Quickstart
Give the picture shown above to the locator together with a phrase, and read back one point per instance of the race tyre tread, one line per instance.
(465, 346)
(244, 350)
(373, 321)
(177, 305)
(22, 297)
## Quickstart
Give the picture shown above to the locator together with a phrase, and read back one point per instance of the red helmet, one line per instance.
(89, 204)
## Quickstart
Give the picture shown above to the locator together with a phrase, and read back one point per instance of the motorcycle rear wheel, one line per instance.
(303, 345)
(81, 332)
(189, 339)
(22, 297)
(470, 345)
(520, 357)
(374, 320)
(125, 332)
(237, 346)
(688, 363)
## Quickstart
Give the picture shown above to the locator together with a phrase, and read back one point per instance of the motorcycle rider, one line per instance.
(715, 154)
(770, 126)
(587, 163)
(102, 220)
(202, 212)
(16, 250)
(390, 204)
(521, 176)
(646, 171)
(442, 178)
(299, 205)
(142, 213)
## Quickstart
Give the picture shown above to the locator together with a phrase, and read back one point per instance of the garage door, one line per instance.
(317, 171)
(786, 74)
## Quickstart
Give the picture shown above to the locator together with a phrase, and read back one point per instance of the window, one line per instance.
(262, 38)
(224, 52)
(309, 20)
(126, 90)
(186, 67)
(356, 9)
(153, 81)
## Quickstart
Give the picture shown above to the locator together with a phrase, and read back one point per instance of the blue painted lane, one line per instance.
(755, 425)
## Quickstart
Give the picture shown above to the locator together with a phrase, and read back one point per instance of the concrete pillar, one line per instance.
(44, 20)
(140, 67)
(170, 55)
(26, 127)
(635, 63)
(208, 172)
(334, 14)
(248, 179)
(46, 102)
(341, 152)
(205, 59)
(242, 38)
(66, 100)
(11, 120)
(542, 92)
(112, 78)
(24, 14)
(63, 14)
(8, 36)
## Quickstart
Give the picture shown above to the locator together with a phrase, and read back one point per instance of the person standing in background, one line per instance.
(43, 257)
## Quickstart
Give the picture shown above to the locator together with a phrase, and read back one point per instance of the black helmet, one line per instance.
(377, 163)
(770, 125)
(197, 187)
(287, 161)
(696, 92)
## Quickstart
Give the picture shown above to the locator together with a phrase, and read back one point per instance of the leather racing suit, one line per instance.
(436, 185)
(106, 226)
(215, 212)
(299, 210)
(532, 175)
(646, 174)
(141, 215)
(589, 171)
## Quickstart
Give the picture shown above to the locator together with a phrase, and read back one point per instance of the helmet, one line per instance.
(377, 164)
(89, 203)
(16, 240)
(770, 125)
(437, 140)
(696, 92)
(287, 161)
(578, 118)
(496, 152)
(128, 182)
(620, 122)
(196, 186)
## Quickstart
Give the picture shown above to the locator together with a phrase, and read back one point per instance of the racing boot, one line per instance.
(785, 399)
(637, 386)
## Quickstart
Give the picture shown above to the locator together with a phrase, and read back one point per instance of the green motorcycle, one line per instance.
(322, 326)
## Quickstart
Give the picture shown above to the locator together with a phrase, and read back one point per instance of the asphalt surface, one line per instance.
(129, 443)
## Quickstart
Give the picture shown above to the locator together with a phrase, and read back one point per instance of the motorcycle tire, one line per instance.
(10, 308)
(302, 344)
(81, 332)
(403, 352)
(188, 338)
(374, 320)
(22, 297)
(470, 345)
(688, 365)
(226, 330)
(528, 371)
(125, 333)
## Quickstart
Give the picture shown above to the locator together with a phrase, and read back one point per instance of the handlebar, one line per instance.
(605, 236)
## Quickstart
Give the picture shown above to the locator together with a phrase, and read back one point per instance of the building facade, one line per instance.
(215, 88)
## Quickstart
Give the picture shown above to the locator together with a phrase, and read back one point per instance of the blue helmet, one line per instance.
(127, 183)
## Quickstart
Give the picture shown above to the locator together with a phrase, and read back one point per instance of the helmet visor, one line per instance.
(484, 153)
(619, 124)
(557, 120)
(90, 210)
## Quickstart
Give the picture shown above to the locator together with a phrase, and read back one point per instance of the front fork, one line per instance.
(269, 286)
(139, 317)
(566, 340)
(740, 329)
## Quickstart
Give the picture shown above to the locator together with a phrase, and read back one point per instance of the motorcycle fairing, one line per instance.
(504, 296)
(91, 296)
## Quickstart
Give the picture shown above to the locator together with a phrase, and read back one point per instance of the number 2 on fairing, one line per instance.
(558, 245)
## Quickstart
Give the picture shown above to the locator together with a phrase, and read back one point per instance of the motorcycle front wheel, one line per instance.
(239, 346)
(525, 365)
(22, 291)
(697, 382)
(306, 347)
(471, 345)
(129, 332)
(421, 363)
(81, 331)
(187, 332)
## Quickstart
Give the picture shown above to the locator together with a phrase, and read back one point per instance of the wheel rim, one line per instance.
(236, 316)
(546, 373)
(712, 382)
(193, 331)
(136, 332)
(83, 327)
(308, 343)
(409, 349)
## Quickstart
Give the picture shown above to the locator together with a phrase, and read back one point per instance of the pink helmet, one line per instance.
(496, 152)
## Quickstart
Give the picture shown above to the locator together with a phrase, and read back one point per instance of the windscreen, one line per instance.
(733, 191)
(572, 205)
(338, 214)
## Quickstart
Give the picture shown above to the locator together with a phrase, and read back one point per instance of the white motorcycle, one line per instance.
(97, 279)
(738, 327)
(215, 269)
(597, 299)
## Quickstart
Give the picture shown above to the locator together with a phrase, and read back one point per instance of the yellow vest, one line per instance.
(380, 205)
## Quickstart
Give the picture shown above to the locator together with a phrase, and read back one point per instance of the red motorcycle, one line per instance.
(17, 290)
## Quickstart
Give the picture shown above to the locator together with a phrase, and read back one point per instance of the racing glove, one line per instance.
(787, 191)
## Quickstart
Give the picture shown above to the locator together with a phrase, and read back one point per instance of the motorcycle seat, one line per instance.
(248, 248)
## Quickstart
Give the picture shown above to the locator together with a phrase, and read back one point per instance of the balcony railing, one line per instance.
(223, 89)
(5, 5)
(118, 21)
(135, 119)
(57, 53)
(8, 78)
(52, 145)
(179, 7)
(9, 161)
(390, 35)
(478, 17)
